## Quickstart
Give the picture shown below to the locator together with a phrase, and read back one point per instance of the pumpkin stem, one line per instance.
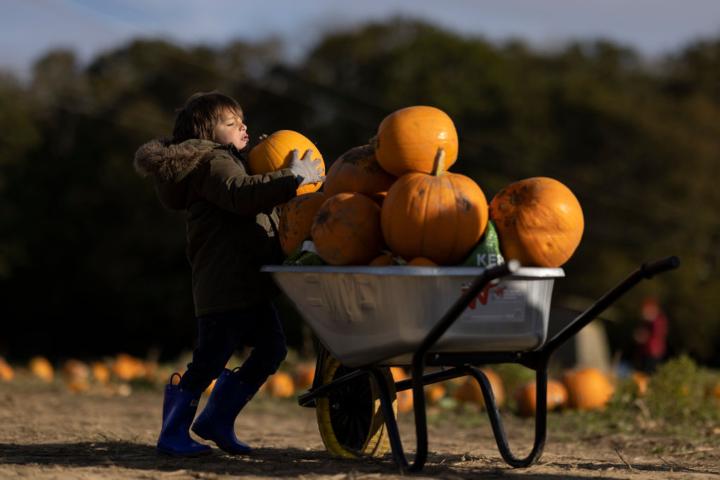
(439, 165)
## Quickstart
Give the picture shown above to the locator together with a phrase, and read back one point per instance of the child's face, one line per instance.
(230, 128)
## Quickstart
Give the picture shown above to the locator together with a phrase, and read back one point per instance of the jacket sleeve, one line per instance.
(227, 185)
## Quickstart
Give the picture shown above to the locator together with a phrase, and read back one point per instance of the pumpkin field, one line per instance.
(76, 420)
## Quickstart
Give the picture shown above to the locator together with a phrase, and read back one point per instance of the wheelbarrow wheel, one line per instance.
(350, 418)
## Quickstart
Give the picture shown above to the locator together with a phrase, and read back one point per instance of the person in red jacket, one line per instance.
(231, 224)
(650, 336)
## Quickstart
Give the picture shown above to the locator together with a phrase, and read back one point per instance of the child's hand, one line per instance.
(306, 169)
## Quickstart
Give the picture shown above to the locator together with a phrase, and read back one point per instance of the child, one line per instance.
(231, 229)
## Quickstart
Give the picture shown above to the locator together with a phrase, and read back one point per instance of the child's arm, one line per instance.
(227, 185)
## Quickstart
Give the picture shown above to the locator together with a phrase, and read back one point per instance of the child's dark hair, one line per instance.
(197, 118)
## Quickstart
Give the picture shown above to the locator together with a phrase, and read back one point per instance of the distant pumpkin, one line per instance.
(715, 392)
(100, 372)
(77, 385)
(280, 385)
(641, 381)
(588, 388)
(470, 391)
(274, 153)
(42, 368)
(434, 393)
(526, 397)
(303, 375)
(74, 369)
(127, 367)
(405, 397)
(6, 371)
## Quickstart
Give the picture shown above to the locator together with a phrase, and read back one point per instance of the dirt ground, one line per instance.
(49, 433)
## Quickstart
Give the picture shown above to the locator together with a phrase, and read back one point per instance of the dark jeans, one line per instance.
(219, 335)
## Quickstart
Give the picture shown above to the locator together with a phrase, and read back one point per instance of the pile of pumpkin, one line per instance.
(578, 389)
(110, 376)
(117, 375)
(289, 381)
(395, 201)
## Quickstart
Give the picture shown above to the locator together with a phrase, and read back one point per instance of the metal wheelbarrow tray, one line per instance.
(380, 315)
(456, 318)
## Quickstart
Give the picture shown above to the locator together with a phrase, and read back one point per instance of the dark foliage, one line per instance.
(91, 264)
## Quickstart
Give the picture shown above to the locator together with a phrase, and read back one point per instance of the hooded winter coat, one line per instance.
(230, 218)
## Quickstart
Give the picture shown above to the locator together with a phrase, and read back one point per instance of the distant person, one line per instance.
(231, 232)
(650, 336)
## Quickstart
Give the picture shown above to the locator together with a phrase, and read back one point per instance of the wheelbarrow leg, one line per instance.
(496, 421)
(390, 422)
(418, 361)
(418, 380)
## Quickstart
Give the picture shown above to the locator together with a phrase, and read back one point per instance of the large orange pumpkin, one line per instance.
(557, 397)
(346, 230)
(275, 152)
(539, 221)
(296, 219)
(408, 140)
(588, 389)
(357, 170)
(440, 216)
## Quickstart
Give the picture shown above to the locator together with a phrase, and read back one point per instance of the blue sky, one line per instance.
(28, 28)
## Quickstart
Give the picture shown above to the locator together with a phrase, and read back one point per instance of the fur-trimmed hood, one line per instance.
(166, 162)
(170, 165)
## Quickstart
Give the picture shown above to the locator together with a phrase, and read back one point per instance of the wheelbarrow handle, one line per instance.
(651, 269)
(646, 270)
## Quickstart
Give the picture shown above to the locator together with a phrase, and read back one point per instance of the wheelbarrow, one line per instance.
(450, 319)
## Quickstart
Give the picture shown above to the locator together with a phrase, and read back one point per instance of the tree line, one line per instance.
(91, 264)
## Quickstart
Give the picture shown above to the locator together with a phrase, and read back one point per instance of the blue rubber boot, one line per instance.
(217, 420)
(179, 407)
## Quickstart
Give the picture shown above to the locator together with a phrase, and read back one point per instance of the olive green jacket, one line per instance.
(231, 222)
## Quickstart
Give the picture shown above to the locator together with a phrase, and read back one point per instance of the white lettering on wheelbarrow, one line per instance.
(490, 291)
(488, 259)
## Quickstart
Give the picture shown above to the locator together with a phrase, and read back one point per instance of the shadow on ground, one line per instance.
(285, 462)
